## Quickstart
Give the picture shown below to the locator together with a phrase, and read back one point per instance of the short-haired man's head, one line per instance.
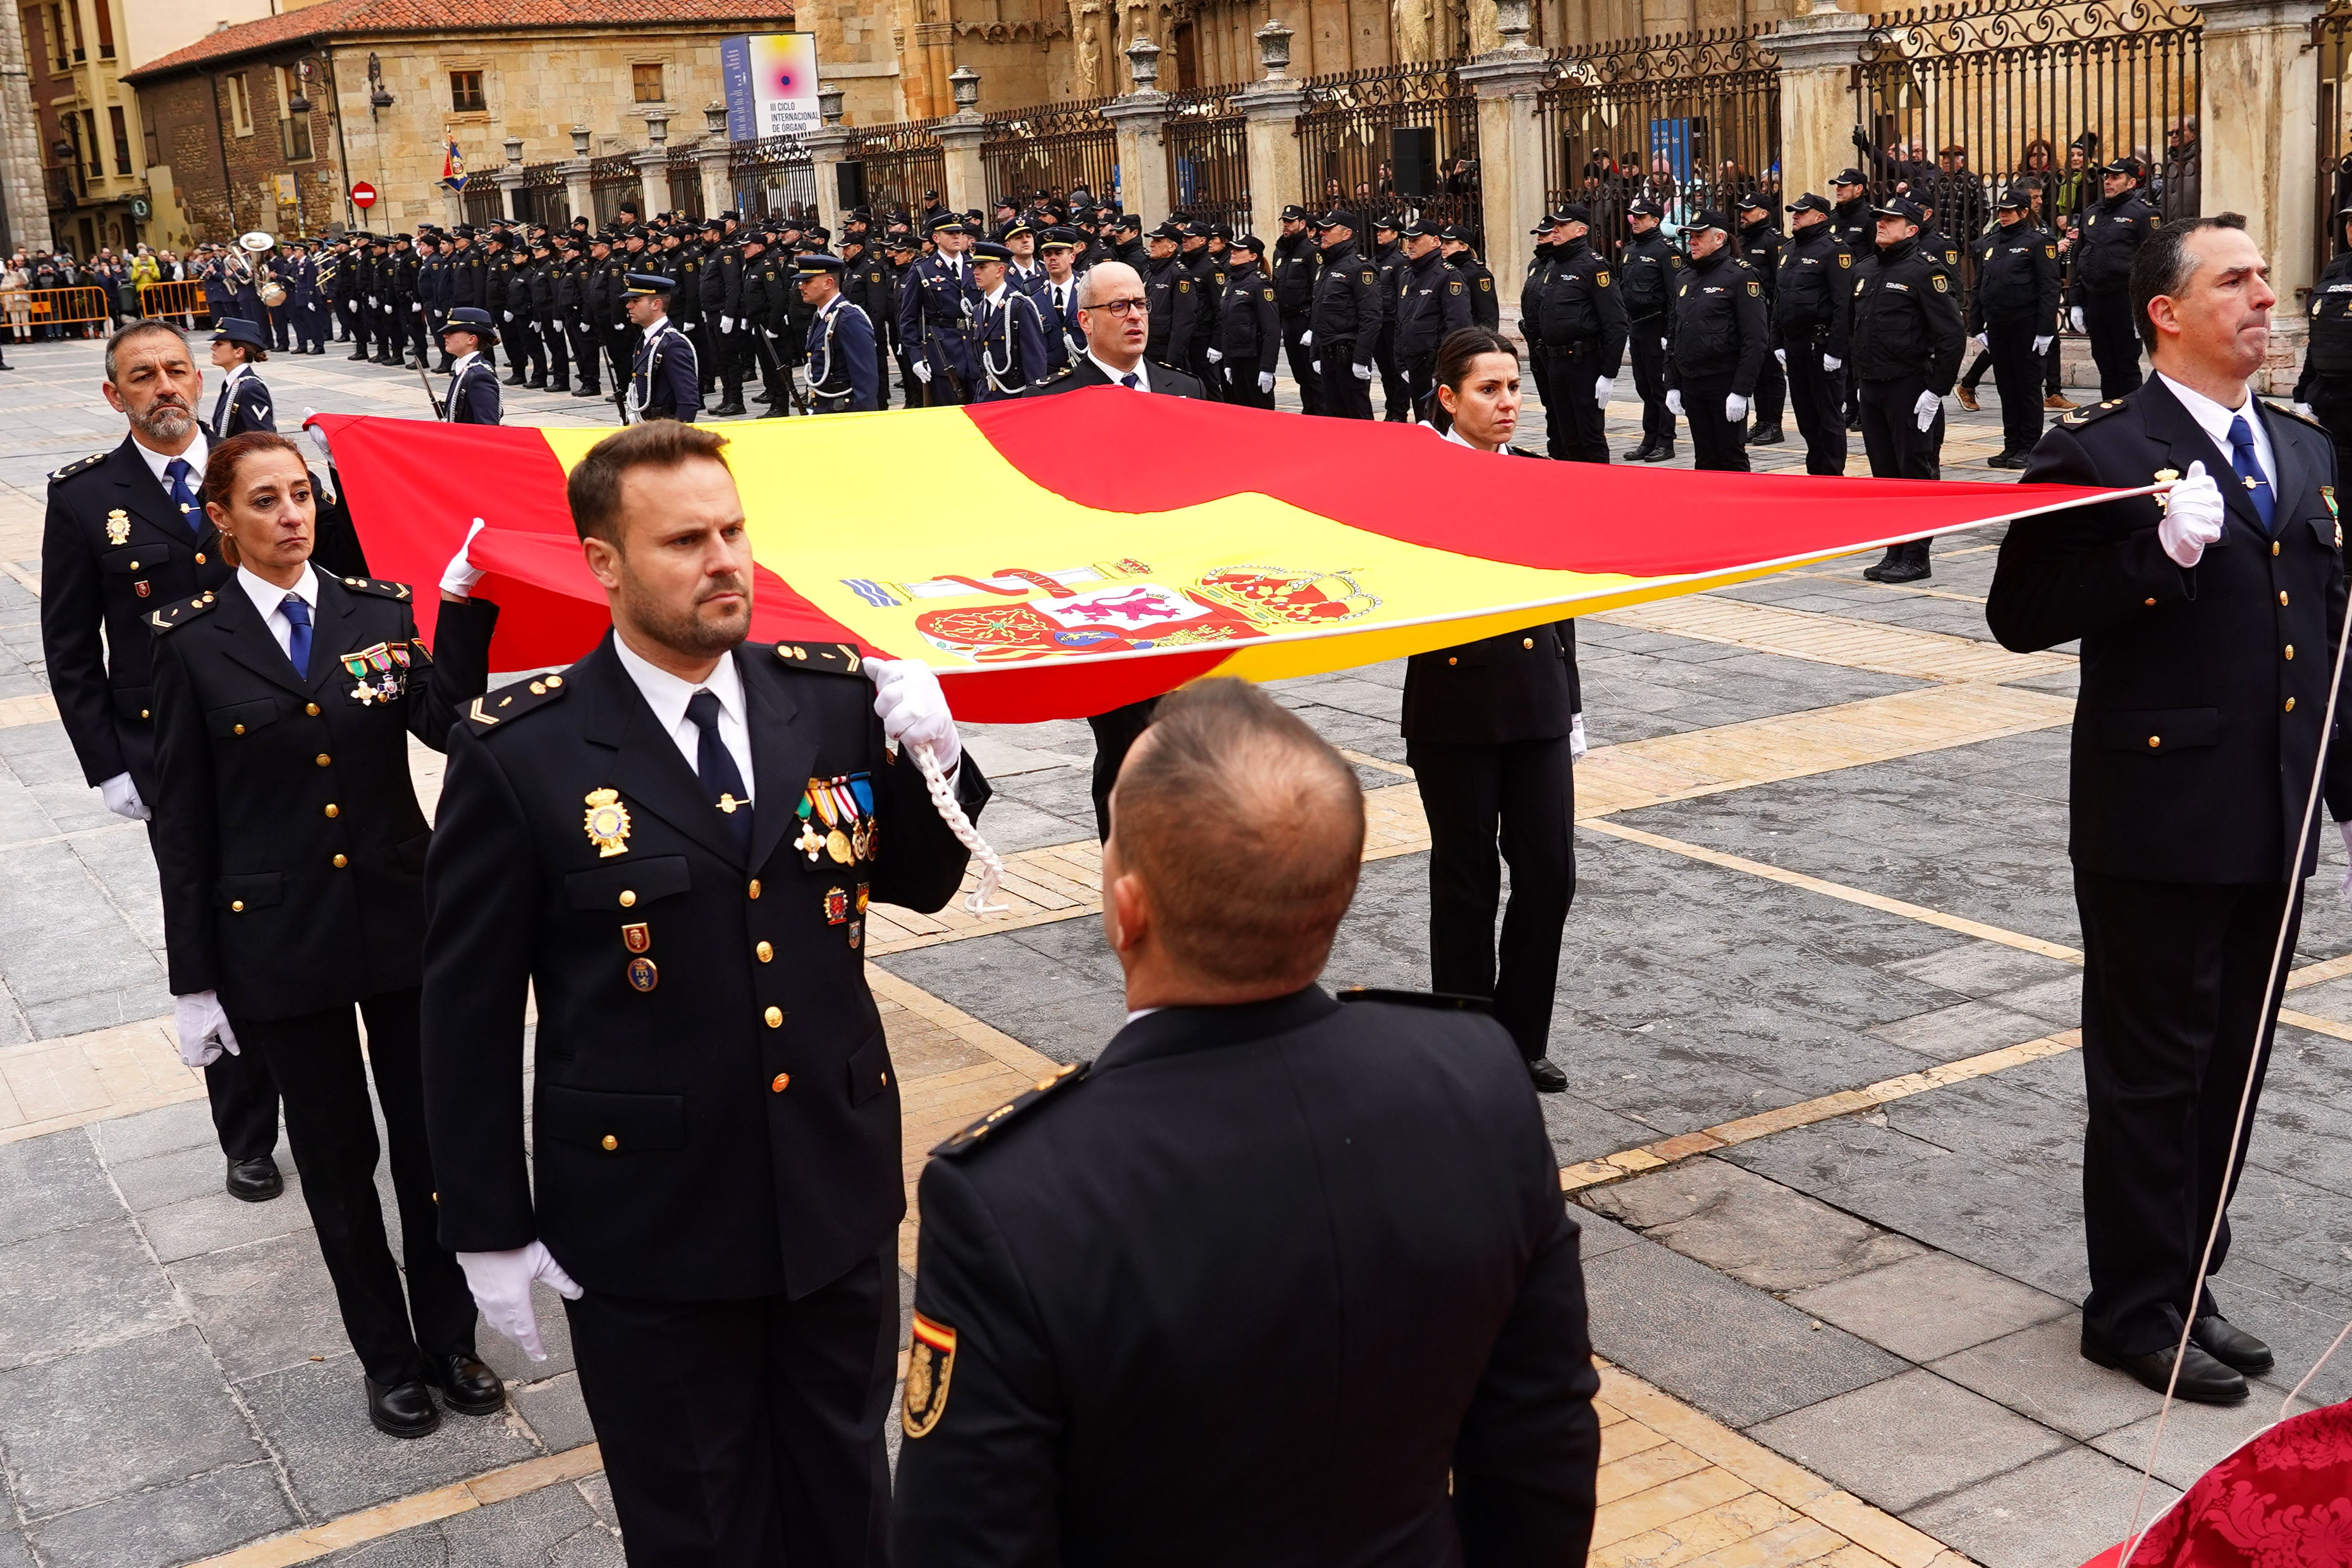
(1248, 893)
(136, 332)
(2167, 264)
(594, 490)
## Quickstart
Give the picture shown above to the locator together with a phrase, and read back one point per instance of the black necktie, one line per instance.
(721, 780)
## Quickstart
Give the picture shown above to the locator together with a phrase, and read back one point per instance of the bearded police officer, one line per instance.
(1906, 341)
(1810, 309)
(2324, 390)
(2012, 315)
(2113, 231)
(1716, 345)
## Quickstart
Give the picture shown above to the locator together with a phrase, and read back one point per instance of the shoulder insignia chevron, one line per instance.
(2090, 412)
(380, 589)
(2280, 409)
(832, 658)
(993, 1125)
(77, 466)
(180, 614)
(511, 703)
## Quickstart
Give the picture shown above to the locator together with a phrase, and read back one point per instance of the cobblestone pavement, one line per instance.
(1817, 1010)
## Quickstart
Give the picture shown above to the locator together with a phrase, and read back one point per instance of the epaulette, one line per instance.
(510, 702)
(2280, 408)
(1064, 374)
(833, 659)
(380, 590)
(1440, 1001)
(993, 1125)
(76, 466)
(180, 614)
(2089, 412)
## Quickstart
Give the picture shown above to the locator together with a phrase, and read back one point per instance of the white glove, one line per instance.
(202, 1029)
(2345, 828)
(726, 323)
(1363, 373)
(912, 708)
(1831, 361)
(1735, 408)
(417, 309)
(1925, 410)
(460, 575)
(2042, 345)
(1981, 343)
(923, 370)
(2075, 316)
(1782, 355)
(1264, 381)
(1306, 340)
(2305, 409)
(2192, 516)
(509, 314)
(1675, 402)
(371, 301)
(1316, 365)
(1576, 746)
(1601, 389)
(501, 1283)
(121, 798)
(1216, 356)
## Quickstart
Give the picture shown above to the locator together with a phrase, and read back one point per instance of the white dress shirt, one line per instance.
(1061, 294)
(270, 600)
(1142, 373)
(656, 329)
(667, 696)
(227, 385)
(199, 448)
(2215, 421)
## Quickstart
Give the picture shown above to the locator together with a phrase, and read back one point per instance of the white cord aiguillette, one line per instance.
(943, 800)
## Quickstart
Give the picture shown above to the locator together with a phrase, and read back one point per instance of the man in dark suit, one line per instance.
(2208, 618)
(1115, 318)
(1273, 1279)
(671, 845)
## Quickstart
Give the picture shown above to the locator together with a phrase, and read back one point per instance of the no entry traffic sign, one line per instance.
(363, 195)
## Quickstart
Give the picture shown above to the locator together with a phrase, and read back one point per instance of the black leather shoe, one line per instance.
(585, 392)
(255, 1180)
(1904, 572)
(1769, 436)
(1547, 1078)
(1641, 454)
(360, 357)
(469, 1387)
(2006, 461)
(2230, 1345)
(2203, 1380)
(1876, 571)
(404, 1410)
(1663, 452)
(727, 409)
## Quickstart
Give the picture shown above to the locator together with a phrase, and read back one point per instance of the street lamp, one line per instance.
(379, 97)
(298, 102)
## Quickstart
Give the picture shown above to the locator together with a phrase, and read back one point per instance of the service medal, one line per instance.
(642, 974)
(836, 846)
(837, 906)
(607, 823)
(117, 527)
(636, 936)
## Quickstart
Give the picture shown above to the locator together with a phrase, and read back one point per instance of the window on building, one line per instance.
(121, 128)
(105, 31)
(93, 158)
(240, 105)
(73, 16)
(53, 27)
(466, 92)
(647, 80)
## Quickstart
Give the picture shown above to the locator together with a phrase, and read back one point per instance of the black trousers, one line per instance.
(1577, 424)
(1771, 394)
(1816, 395)
(746, 1433)
(1115, 731)
(2017, 377)
(557, 356)
(1486, 806)
(1974, 376)
(1302, 364)
(1715, 442)
(1344, 396)
(2173, 1013)
(526, 358)
(1647, 346)
(2114, 346)
(1898, 448)
(1396, 393)
(1240, 382)
(315, 1058)
(583, 352)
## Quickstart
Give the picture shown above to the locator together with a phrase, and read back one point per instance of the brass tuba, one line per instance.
(258, 243)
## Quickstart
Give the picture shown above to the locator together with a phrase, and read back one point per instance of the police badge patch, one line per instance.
(1601, 278)
(1938, 279)
(930, 1363)
(1753, 286)
(1846, 258)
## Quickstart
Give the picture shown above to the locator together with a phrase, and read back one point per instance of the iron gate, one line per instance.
(771, 174)
(685, 172)
(901, 163)
(1349, 144)
(2331, 33)
(1050, 149)
(544, 197)
(613, 181)
(484, 203)
(1207, 158)
(1689, 121)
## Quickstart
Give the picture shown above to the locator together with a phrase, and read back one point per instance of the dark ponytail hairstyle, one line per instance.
(1454, 357)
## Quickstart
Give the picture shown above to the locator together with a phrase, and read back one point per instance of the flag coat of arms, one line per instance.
(453, 166)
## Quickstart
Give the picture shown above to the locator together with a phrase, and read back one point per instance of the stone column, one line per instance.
(828, 147)
(510, 178)
(960, 138)
(2256, 153)
(23, 194)
(1278, 166)
(1817, 51)
(1511, 151)
(653, 165)
(711, 159)
(579, 196)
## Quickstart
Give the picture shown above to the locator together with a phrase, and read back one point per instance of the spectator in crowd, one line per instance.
(15, 279)
(2179, 184)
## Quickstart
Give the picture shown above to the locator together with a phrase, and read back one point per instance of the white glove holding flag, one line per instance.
(1675, 402)
(1264, 381)
(202, 1029)
(2042, 345)
(1735, 407)
(2305, 409)
(1925, 410)
(501, 1283)
(2075, 316)
(460, 575)
(913, 710)
(2192, 516)
(121, 798)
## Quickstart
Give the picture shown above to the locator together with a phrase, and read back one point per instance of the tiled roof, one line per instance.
(334, 17)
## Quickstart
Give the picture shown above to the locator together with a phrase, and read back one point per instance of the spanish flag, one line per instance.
(1061, 557)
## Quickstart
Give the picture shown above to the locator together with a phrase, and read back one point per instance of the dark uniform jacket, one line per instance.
(1286, 1282)
(1761, 245)
(1209, 272)
(1083, 373)
(2112, 232)
(2203, 689)
(1719, 328)
(715, 1112)
(1431, 301)
(287, 832)
(1296, 263)
(1249, 324)
(1652, 265)
(1581, 310)
(1346, 316)
(662, 378)
(246, 407)
(2327, 378)
(1907, 319)
(1856, 226)
(1478, 283)
(841, 362)
(1812, 303)
(2017, 279)
(1941, 250)
(474, 395)
(1009, 342)
(1170, 286)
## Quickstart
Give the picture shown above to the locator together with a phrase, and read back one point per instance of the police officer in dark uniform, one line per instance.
(1295, 264)
(2324, 390)
(1172, 290)
(1431, 301)
(1761, 245)
(2010, 314)
(725, 330)
(1202, 259)
(2113, 231)
(1717, 342)
(473, 397)
(843, 375)
(1008, 336)
(1387, 260)
(244, 402)
(1249, 328)
(1907, 341)
(1477, 277)
(904, 254)
(675, 840)
(1127, 1344)
(1580, 316)
(935, 312)
(1810, 309)
(546, 319)
(2208, 618)
(1543, 261)
(599, 306)
(1857, 228)
(661, 381)
(1345, 321)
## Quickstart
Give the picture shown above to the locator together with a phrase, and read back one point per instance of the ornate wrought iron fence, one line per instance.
(613, 180)
(771, 175)
(1207, 158)
(1050, 147)
(900, 162)
(544, 197)
(1348, 135)
(2331, 35)
(685, 173)
(1690, 120)
(484, 203)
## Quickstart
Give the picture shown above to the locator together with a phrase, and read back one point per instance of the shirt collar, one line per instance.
(2211, 416)
(267, 595)
(1142, 372)
(667, 695)
(654, 330)
(199, 449)
(996, 295)
(457, 366)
